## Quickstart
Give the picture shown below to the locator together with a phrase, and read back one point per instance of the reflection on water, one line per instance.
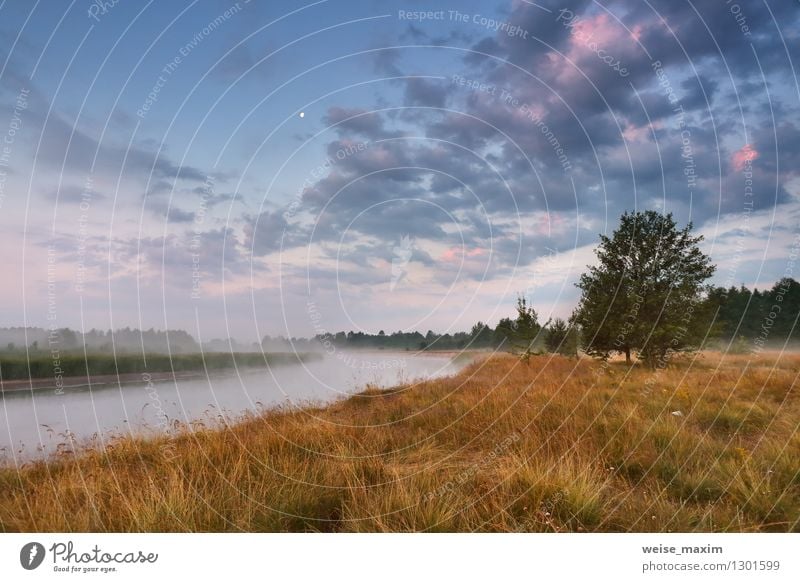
(37, 424)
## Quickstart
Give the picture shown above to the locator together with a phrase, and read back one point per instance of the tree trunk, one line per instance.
(627, 354)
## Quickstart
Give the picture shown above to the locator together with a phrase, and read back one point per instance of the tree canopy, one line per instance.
(647, 290)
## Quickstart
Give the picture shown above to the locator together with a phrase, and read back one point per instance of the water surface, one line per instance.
(35, 424)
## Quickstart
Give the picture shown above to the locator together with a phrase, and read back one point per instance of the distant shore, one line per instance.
(73, 382)
(42, 373)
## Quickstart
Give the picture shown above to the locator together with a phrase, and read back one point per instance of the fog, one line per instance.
(33, 424)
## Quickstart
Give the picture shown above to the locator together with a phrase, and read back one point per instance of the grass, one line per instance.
(18, 367)
(555, 445)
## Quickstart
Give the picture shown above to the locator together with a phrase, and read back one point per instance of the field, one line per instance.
(709, 443)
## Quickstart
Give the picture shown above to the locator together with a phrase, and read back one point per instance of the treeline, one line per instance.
(34, 340)
(510, 333)
(481, 336)
(125, 340)
(769, 317)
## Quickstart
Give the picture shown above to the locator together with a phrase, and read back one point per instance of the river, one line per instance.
(34, 424)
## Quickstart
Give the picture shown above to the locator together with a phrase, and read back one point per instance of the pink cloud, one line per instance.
(642, 133)
(594, 42)
(457, 253)
(742, 157)
(598, 30)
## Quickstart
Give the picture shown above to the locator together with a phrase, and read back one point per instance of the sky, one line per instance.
(289, 168)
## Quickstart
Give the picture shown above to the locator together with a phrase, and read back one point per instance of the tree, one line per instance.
(503, 332)
(68, 338)
(647, 290)
(524, 329)
(560, 338)
(741, 316)
(481, 335)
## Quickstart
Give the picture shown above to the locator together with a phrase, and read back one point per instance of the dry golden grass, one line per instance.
(554, 445)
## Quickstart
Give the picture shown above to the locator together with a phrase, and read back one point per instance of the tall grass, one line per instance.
(556, 445)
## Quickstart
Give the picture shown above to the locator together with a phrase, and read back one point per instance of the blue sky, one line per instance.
(160, 174)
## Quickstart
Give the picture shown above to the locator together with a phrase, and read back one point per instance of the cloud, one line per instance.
(265, 233)
(596, 109)
(67, 148)
(425, 92)
(743, 156)
(74, 194)
(358, 121)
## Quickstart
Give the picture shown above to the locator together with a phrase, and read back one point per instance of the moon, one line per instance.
(302, 114)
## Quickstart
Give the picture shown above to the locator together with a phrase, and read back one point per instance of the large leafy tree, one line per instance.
(646, 292)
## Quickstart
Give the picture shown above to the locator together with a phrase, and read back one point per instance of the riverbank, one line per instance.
(555, 445)
(73, 371)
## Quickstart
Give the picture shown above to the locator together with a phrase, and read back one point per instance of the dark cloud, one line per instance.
(212, 253)
(415, 33)
(160, 187)
(360, 122)
(425, 92)
(699, 92)
(67, 147)
(74, 194)
(421, 37)
(212, 199)
(169, 211)
(384, 62)
(265, 233)
(243, 59)
(64, 144)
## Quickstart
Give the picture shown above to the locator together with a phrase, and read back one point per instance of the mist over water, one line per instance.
(34, 424)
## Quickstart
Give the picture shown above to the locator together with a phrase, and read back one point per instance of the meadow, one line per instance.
(708, 443)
